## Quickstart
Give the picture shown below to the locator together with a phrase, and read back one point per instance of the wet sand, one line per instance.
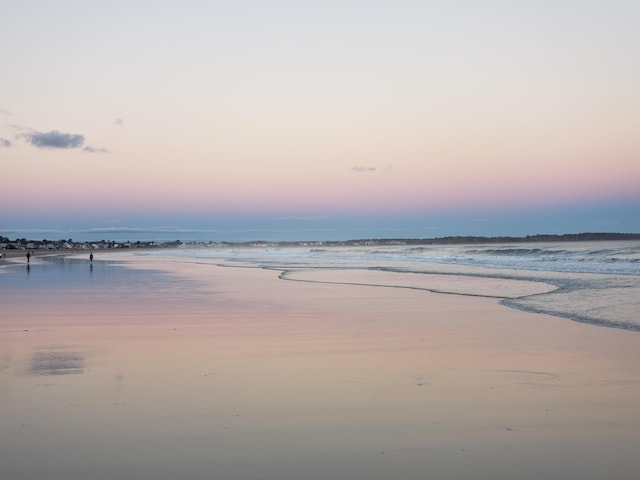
(179, 369)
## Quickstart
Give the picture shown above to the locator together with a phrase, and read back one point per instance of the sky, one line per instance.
(318, 120)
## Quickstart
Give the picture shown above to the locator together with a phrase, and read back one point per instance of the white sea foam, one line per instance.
(596, 282)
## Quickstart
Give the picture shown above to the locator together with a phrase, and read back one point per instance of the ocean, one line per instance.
(591, 282)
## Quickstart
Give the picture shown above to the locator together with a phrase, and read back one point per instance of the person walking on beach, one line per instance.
(28, 257)
(91, 257)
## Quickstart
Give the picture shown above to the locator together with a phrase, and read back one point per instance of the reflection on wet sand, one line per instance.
(56, 362)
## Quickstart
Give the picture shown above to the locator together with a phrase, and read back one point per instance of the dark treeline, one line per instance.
(567, 237)
(570, 237)
(23, 243)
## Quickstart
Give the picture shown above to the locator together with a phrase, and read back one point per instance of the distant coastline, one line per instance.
(8, 245)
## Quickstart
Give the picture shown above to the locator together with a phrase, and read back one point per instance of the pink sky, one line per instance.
(387, 107)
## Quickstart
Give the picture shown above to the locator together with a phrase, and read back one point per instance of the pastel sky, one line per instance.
(298, 120)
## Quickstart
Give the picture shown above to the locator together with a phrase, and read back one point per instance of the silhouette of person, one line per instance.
(28, 257)
(91, 257)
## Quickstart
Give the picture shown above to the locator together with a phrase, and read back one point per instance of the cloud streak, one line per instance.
(309, 218)
(363, 169)
(90, 149)
(5, 143)
(145, 230)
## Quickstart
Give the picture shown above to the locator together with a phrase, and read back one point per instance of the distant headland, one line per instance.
(69, 244)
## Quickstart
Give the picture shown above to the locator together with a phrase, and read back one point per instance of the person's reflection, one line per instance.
(28, 268)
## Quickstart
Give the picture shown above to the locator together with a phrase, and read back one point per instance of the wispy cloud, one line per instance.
(144, 230)
(278, 230)
(5, 143)
(305, 218)
(119, 122)
(4, 111)
(371, 169)
(90, 149)
(33, 231)
(54, 139)
(607, 223)
(123, 229)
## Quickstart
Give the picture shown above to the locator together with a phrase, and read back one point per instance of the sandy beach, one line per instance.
(155, 368)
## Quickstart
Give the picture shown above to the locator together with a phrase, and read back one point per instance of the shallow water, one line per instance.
(75, 281)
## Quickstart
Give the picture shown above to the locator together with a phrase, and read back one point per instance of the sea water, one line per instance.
(592, 282)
